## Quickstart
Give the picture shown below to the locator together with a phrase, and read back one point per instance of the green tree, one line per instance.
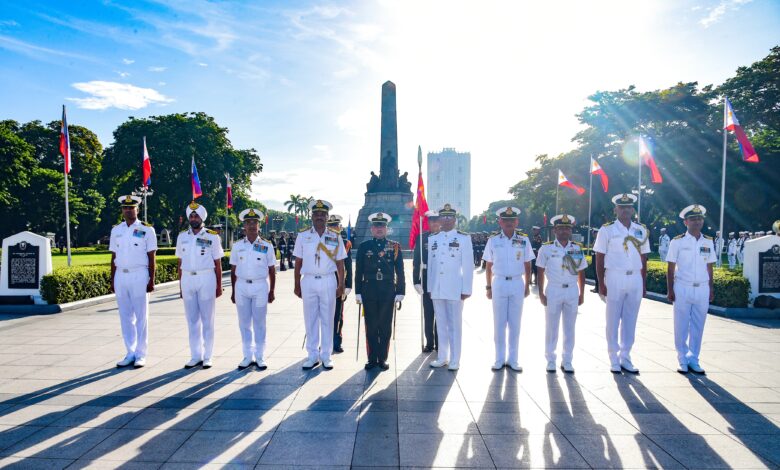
(172, 141)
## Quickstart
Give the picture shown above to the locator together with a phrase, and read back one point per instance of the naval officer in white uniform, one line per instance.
(319, 253)
(689, 286)
(133, 245)
(450, 276)
(621, 264)
(508, 256)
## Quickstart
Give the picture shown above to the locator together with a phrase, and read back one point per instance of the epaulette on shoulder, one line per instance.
(708, 237)
(184, 231)
(578, 244)
(212, 232)
(547, 243)
(643, 225)
(265, 240)
(334, 230)
(521, 233)
(303, 229)
(146, 224)
(463, 233)
(608, 224)
(678, 236)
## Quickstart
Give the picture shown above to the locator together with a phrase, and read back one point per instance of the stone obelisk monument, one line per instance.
(388, 192)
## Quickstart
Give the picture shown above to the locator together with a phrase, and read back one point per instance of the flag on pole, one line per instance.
(484, 219)
(65, 142)
(595, 169)
(649, 161)
(196, 191)
(732, 124)
(420, 208)
(563, 181)
(544, 222)
(349, 229)
(229, 192)
(147, 167)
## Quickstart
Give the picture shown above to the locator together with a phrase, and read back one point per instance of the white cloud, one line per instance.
(123, 74)
(161, 83)
(106, 95)
(157, 69)
(203, 64)
(717, 12)
(128, 61)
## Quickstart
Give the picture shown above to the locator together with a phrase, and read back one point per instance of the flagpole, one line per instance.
(639, 182)
(67, 216)
(556, 198)
(590, 196)
(422, 261)
(723, 176)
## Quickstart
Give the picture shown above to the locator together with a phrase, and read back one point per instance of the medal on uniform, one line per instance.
(379, 275)
(519, 253)
(381, 254)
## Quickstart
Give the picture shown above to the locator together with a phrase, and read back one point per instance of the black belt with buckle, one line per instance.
(317, 276)
(507, 278)
(628, 273)
(696, 284)
(248, 281)
(564, 286)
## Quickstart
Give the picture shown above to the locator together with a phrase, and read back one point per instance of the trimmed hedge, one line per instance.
(84, 282)
(731, 289)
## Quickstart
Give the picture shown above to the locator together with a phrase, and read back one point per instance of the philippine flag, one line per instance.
(196, 191)
(563, 181)
(596, 169)
(147, 167)
(647, 159)
(730, 124)
(229, 192)
(65, 142)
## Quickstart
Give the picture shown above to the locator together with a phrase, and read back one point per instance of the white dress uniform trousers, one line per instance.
(691, 292)
(732, 253)
(508, 256)
(719, 252)
(450, 275)
(131, 245)
(198, 287)
(252, 262)
(562, 291)
(623, 279)
(663, 246)
(318, 287)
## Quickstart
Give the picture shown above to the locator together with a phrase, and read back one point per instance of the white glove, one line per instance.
(358, 298)
(418, 288)
(399, 298)
(346, 292)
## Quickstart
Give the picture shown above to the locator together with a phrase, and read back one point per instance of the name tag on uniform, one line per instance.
(202, 242)
(704, 250)
(331, 241)
(454, 244)
(638, 233)
(139, 233)
(576, 255)
(517, 242)
(260, 248)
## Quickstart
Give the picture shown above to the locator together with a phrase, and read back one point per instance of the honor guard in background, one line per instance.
(563, 262)
(379, 285)
(252, 266)
(663, 244)
(450, 276)
(283, 249)
(334, 223)
(319, 253)
(718, 249)
(536, 243)
(732, 251)
(133, 245)
(200, 279)
(621, 264)
(689, 286)
(420, 280)
(508, 256)
(743, 237)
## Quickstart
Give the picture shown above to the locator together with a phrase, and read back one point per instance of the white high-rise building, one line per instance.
(449, 180)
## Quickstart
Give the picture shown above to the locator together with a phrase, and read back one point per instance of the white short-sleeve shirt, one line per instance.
(508, 254)
(319, 253)
(619, 253)
(198, 251)
(551, 258)
(691, 257)
(131, 243)
(252, 259)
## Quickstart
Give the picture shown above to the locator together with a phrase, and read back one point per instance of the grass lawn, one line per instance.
(84, 259)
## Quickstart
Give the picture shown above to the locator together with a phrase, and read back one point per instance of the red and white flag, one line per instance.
(229, 192)
(420, 208)
(147, 167)
(65, 142)
(732, 124)
(563, 181)
(595, 169)
(649, 161)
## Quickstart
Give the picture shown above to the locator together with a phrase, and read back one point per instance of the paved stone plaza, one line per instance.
(64, 404)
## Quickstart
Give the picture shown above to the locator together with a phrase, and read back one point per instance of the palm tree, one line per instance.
(294, 204)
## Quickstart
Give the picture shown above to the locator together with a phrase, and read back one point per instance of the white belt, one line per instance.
(692, 284)
(132, 270)
(196, 272)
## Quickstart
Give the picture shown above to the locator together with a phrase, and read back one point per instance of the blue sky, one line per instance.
(301, 81)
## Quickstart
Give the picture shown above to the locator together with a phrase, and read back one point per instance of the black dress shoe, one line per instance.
(428, 349)
(384, 366)
(369, 365)
(338, 349)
